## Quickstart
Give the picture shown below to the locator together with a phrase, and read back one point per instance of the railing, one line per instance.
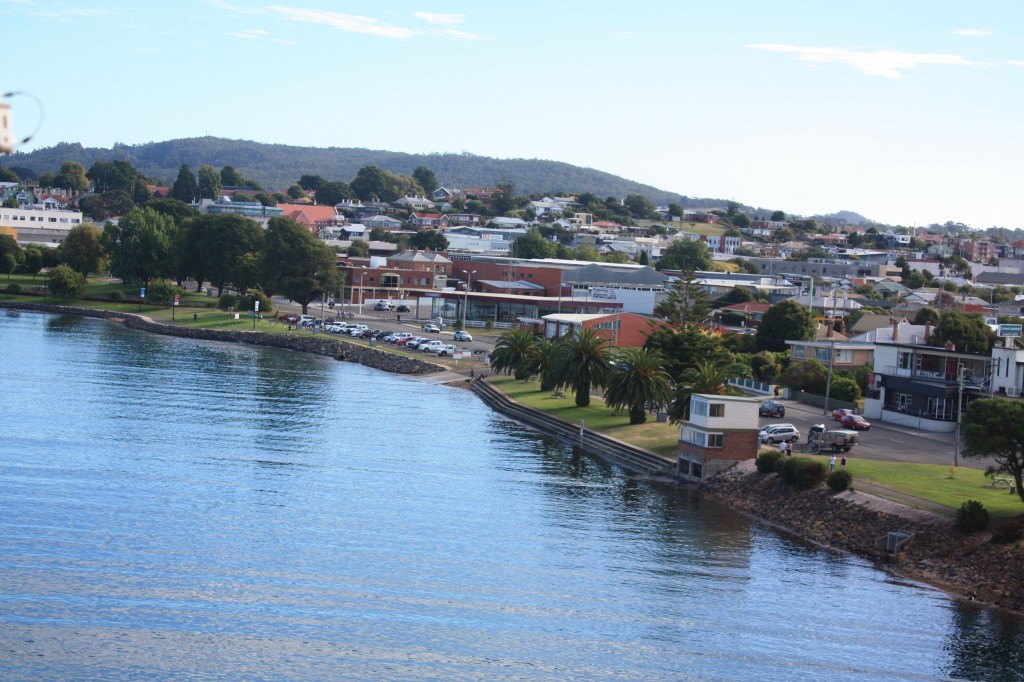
(761, 387)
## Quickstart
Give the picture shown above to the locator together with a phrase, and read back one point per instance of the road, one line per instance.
(883, 441)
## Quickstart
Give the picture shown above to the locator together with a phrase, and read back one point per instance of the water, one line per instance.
(175, 510)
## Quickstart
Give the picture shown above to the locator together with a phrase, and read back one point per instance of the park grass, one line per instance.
(661, 438)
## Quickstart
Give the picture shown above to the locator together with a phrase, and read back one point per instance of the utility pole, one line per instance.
(959, 410)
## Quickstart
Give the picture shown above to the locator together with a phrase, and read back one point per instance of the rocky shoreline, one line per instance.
(967, 566)
(319, 344)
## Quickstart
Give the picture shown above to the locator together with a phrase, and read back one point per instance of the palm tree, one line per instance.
(583, 363)
(704, 377)
(543, 357)
(638, 381)
(511, 354)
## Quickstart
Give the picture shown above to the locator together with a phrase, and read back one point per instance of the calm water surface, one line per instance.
(174, 510)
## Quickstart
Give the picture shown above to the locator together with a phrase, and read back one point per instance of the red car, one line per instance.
(855, 422)
(837, 415)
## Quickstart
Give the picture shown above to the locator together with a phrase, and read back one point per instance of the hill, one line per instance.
(277, 166)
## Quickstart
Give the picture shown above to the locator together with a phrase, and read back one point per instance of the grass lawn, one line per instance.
(659, 437)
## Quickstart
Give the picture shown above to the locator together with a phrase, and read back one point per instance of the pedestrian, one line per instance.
(832, 463)
(289, 326)
(789, 449)
(776, 391)
(842, 463)
(782, 447)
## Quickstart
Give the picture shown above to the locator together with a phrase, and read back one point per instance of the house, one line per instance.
(721, 431)
(434, 221)
(749, 314)
(503, 222)
(481, 239)
(413, 203)
(312, 217)
(471, 219)
(484, 194)
(581, 221)
(443, 194)
(546, 207)
(384, 222)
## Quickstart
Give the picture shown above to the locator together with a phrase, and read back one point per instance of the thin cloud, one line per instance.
(444, 19)
(1016, 62)
(973, 32)
(251, 34)
(349, 23)
(626, 35)
(461, 35)
(883, 63)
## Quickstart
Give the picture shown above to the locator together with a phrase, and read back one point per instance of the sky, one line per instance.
(907, 112)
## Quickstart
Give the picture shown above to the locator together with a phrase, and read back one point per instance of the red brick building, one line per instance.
(721, 431)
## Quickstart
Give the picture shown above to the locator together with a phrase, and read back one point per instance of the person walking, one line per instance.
(832, 463)
(842, 463)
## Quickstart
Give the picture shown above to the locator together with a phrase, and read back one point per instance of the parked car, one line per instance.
(781, 432)
(431, 328)
(382, 305)
(430, 346)
(445, 350)
(356, 330)
(835, 440)
(771, 408)
(370, 334)
(334, 327)
(291, 318)
(855, 422)
(838, 414)
(412, 343)
(402, 308)
(398, 336)
(382, 335)
(463, 336)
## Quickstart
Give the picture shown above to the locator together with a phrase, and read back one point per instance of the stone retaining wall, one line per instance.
(319, 344)
(939, 554)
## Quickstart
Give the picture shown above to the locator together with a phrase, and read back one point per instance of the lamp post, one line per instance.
(959, 410)
(561, 286)
(465, 296)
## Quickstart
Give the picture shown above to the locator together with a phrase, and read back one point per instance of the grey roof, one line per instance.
(1007, 278)
(595, 273)
(522, 285)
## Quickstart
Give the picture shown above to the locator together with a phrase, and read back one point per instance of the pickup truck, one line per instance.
(445, 350)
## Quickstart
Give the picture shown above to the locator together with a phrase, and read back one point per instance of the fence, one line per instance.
(761, 387)
(819, 400)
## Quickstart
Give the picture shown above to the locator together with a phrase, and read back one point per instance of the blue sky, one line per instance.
(907, 112)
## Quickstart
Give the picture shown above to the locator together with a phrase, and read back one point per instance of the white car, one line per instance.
(445, 350)
(430, 346)
(431, 328)
(356, 329)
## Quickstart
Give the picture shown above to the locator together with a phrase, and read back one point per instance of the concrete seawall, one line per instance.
(629, 457)
(320, 344)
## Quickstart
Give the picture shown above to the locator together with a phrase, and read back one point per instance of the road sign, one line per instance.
(142, 292)
(1009, 330)
(177, 299)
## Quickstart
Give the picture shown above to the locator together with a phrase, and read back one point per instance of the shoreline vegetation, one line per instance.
(968, 566)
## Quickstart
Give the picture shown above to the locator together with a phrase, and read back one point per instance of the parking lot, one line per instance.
(883, 441)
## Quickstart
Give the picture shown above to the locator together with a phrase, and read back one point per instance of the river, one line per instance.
(174, 509)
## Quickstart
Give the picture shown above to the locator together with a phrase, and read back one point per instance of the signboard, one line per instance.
(1009, 330)
(602, 292)
(177, 299)
(457, 355)
(257, 304)
(142, 292)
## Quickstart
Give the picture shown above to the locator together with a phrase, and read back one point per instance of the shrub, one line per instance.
(1007, 531)
(162, 291)
(839, 480)
(802, 472)
(766, 461)
(14, 288)
(116, 295)
(246, 302)
(972, 517)
(227, 301)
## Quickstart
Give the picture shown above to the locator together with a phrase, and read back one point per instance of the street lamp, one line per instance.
(561, 286)
(465, 297)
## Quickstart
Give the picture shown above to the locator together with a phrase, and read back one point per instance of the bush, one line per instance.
(116, 295)
(802, 472)
(1007, 531)
(14, 289)
(227, 301)
(839, 480)
(246, 302)
(161, 291)
(972, 517)
(766, 461)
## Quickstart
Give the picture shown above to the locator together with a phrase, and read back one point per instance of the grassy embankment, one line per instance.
(937, 484)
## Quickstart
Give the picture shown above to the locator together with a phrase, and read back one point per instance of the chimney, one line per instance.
(927, 331)
(895, 330)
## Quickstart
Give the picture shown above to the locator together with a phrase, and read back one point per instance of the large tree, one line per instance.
(506, 199)
(638, 382)
(209, 182)
(82, 250)
(426, 178)
(995, 428)
(683, 345)
(785, 321)
(967, 331)
(640, 206)
(216, 245)
(110, 175)
(583, 358)
(311, 183)
(429, 239)
(229, 177)
(332, 193)
(686, 303)
(296, 264)
(704, 377)
(685, 254)
(140, 245)
(71, 176)
(513, 353)
(532, 245)
(185, 187)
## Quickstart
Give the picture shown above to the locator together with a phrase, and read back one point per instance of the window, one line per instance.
(715, 440)
(717, 410)
(699, 406)
(903, 401)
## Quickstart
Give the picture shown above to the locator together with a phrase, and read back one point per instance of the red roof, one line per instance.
(748, 307)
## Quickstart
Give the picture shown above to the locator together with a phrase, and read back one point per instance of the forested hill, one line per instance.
(276, 166)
